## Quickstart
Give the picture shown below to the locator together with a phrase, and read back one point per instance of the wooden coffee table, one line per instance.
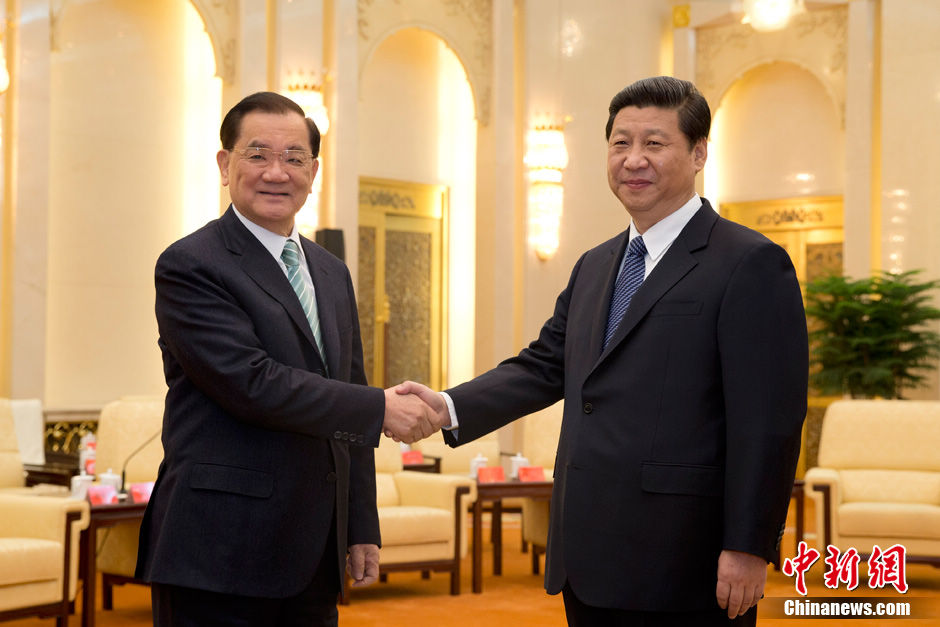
(495, 493)
(101, 516)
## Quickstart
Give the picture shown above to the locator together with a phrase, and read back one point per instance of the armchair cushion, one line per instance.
(897, 520)
(28, 560)
(32, 548)
(891, 486)
(415, 525)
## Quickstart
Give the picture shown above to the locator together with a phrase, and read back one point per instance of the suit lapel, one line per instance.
(324, 286)
(675, 264)
(258, 264)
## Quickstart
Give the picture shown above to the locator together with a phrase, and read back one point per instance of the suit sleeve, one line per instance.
(520, 385)
(764, 362)
(215, 344)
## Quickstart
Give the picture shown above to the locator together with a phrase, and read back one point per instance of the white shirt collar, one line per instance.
(659, 236)
(272, 241)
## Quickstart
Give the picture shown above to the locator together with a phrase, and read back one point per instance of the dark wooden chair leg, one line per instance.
(107, 593)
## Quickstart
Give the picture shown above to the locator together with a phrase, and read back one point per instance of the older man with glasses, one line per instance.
(269, 428)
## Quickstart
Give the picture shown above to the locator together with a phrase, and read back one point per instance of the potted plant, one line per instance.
(870, 337)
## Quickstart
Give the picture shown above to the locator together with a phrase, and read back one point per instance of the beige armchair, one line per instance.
(128, 432)
(11, 464)
(878, 479)
(539, 445)
(39, 542)
(422, 517)
(456, 461)
(12, 472)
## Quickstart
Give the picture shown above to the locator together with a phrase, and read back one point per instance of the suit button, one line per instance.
(345, 436)
(331, 477)
(338, 435)
(588, 408)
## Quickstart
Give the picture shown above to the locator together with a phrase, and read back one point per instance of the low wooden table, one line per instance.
(495, 493)
(57, 474)
(430, 464)
(101, 516)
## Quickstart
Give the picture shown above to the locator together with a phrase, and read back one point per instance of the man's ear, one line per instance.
(700, 154)
(222, 158)
(313, 174)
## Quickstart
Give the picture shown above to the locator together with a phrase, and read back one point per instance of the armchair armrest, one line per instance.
(823, 486)
(39, 516)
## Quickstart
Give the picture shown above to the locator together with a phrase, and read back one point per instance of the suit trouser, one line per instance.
(581, 615)
(315, 606)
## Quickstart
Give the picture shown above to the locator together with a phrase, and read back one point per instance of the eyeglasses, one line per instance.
(263, 157)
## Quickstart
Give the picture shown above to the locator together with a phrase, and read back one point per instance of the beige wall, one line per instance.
(909, 140)
(115, 198)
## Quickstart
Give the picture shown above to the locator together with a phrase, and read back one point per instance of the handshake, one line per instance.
(413, 412)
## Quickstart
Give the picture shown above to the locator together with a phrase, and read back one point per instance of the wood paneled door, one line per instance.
(402, 291)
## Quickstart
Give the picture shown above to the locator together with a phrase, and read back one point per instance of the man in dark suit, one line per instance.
(269, 429)
(682, 416)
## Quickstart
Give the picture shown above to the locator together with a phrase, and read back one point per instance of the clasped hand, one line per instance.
(413, 412)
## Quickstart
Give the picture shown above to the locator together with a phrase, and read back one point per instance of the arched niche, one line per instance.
(776, 133)
(466, 27)
(815, 41)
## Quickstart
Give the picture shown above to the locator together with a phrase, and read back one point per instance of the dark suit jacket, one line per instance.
(262, 452)
(681, 438)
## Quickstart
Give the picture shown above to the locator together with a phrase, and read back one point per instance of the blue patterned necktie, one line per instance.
(634, 270)
(291, 258)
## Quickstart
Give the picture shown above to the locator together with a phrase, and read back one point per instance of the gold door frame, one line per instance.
(413, 207)
(797, 224)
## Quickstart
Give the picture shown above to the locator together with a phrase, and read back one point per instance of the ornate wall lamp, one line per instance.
(546, 158)
(307, 91)
(770, 15)
(4, 73)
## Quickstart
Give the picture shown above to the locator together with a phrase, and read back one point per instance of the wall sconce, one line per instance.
(4, 73)
(770, 15)
(307, 91)
(546, 157)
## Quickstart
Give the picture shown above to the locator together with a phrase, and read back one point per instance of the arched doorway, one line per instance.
(417, 154)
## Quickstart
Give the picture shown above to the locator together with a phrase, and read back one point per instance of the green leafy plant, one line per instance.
(870, 337)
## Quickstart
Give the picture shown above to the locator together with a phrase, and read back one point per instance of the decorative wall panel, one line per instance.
(366, 301)
(408, 286)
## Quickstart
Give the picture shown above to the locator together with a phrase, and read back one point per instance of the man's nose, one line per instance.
(635, 158)
(275, 170)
